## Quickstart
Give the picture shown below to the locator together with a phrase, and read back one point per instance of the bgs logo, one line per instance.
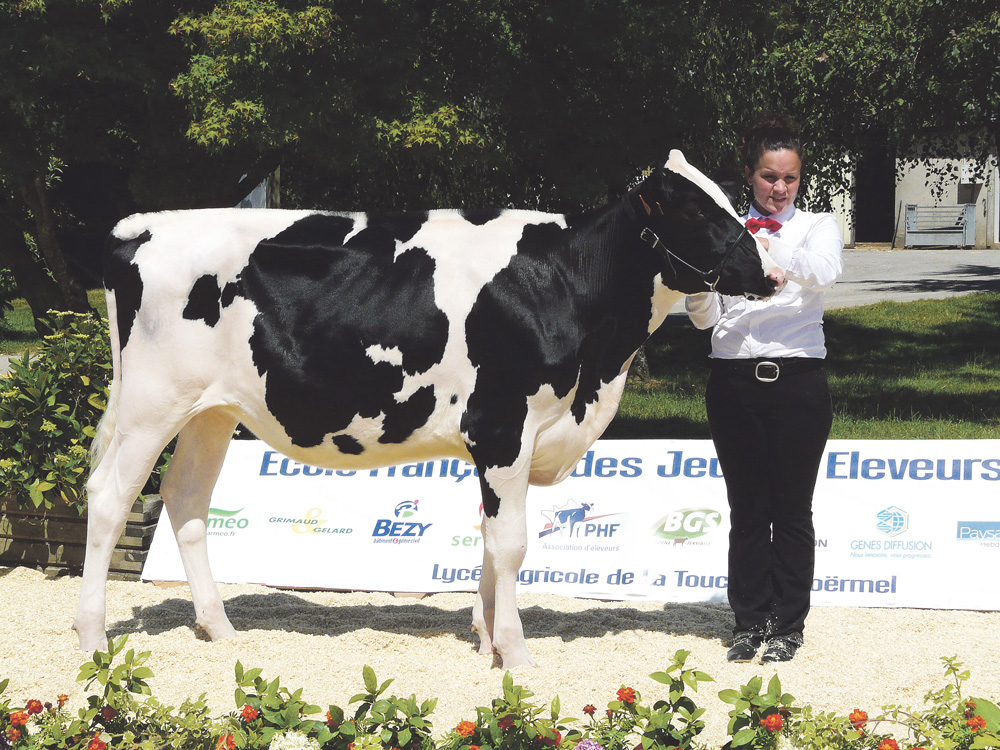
(571, 521)
(681, 526)
(893, 521)
(401, 532)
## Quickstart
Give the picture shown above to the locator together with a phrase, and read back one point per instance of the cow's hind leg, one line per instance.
(111, 489)
(505, 538)
(187, 491)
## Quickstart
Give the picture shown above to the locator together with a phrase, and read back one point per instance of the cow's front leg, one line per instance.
(505, 537)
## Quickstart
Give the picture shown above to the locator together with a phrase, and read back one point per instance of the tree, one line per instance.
(912, 69)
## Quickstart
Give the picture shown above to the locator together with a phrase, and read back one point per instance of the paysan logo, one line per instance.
(574, 520)
(987, 533)
(225, 522)
(684, 525)
(892, 521)
(400, 530)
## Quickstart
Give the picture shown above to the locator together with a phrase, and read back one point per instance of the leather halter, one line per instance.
(711, 277)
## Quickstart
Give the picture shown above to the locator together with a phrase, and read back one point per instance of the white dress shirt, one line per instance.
(790, 324)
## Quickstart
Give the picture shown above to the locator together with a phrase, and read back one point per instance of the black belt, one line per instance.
(766, 370)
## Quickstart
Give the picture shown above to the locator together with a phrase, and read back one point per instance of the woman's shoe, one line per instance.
(781, 648)
(745, 645)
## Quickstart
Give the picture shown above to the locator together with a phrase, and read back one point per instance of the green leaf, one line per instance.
(744, 737)
(371, 685)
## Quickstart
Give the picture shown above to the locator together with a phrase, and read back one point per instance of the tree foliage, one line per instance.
(113, 106)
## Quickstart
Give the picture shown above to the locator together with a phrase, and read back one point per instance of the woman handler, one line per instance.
(768, 404)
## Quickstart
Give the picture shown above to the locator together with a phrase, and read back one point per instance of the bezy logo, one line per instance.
(406, 508)
(687, 523)
(570, 521)
(401, 532)
(893, 521)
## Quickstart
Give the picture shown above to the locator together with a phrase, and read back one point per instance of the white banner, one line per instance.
(898, 524)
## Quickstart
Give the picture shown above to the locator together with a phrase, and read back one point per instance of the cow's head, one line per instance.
(690, 222)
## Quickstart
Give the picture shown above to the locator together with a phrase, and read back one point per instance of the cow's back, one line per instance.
(338, 338)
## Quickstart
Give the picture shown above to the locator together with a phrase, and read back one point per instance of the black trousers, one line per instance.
(770, 439)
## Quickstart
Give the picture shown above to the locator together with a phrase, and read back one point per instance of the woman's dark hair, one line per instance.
(772, 131)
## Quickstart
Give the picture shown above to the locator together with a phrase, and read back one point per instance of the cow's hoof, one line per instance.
(91, 639)
(521, 659)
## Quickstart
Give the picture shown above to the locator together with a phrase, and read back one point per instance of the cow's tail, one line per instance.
(106, 427)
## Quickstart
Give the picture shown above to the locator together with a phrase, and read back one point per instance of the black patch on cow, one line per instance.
(322, 304)
(228, 294)
(402, 419)
(204, 301)
(481, 216)
(454, 399)
(122, 277)
(348, 445)
(570, 306)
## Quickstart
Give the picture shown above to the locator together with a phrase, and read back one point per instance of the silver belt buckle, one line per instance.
(767, 371)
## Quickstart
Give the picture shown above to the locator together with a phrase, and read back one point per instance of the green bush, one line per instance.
(269, 717)
(50, 404)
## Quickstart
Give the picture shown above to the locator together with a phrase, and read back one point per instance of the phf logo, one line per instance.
(571, 520)
(893, 521)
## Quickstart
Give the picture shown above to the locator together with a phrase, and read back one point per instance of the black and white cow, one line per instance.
(353, 341)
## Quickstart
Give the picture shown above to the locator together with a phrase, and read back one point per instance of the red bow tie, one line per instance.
(766, 223)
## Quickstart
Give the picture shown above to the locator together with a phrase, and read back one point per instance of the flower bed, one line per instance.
(123, 713)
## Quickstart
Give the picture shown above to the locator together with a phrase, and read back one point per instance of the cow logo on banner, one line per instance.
(573, 520)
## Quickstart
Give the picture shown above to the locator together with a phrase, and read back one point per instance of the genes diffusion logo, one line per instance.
(892, 521)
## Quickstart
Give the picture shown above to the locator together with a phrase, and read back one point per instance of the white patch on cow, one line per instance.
(664, 298)
(466, 257)
(677, 163)
(378, 354)
(360, 223)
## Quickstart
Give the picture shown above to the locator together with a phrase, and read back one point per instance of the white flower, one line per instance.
(292, 740)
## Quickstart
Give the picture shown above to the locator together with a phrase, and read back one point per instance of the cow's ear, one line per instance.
(730, 181)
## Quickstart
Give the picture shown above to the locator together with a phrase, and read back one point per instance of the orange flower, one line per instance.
(33, 707)
(858, 719)
(18, 718)
(590, 709)
(249, 713)
(888, 744)
(13, 734)
(226, 742)
(551, 741)
(507, 722)
(626, 695)
(96, 743)
(331, 722)
(473, 747)
(976, 723)
(773, 722)
(63, 699)
(465, 729)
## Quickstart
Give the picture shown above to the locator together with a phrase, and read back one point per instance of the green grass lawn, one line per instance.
(915, 370)
(17, 327)
(910, 371)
